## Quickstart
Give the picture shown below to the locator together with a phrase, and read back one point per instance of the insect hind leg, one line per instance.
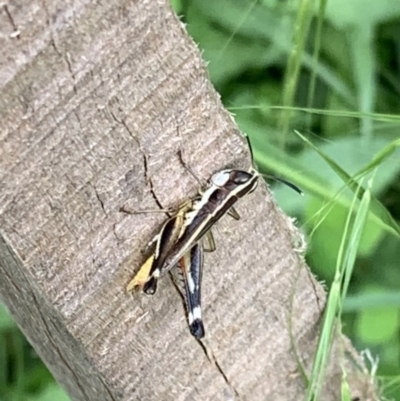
(150, 287)
(197, 329)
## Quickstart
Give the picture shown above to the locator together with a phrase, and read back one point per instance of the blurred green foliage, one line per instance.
(330, 70)
(23, 376)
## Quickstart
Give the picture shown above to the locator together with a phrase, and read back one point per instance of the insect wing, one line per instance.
(164, 241)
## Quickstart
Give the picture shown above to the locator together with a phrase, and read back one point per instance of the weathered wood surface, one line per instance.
(96, 100)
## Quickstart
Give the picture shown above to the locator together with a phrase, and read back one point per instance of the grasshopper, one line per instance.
(227, 186)
(179, 241)
(201, 213)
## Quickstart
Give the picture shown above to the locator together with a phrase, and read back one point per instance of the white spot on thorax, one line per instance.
(221, 178)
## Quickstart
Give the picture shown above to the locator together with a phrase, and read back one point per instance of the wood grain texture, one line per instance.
(97, 98)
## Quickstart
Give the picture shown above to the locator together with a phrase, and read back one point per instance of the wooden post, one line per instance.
(97, 98)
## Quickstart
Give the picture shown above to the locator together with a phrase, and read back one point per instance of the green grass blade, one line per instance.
(376, 206)
(345, 262)
(317, 48)
(355, 303)
(302, 25)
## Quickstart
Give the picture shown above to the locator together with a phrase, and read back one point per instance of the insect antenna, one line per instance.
(273, 177)
(283, 181)
(188, 168)
(253, 162)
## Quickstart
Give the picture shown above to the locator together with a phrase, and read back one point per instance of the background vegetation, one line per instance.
(330, 70)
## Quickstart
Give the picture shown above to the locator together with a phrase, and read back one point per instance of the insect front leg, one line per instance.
(233, 213)
(211, 243)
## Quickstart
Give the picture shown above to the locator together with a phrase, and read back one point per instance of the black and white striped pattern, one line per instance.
(191, 265)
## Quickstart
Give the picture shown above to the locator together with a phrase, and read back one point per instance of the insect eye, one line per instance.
(241, 177)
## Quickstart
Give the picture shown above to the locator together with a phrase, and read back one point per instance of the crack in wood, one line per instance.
(213, 361)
